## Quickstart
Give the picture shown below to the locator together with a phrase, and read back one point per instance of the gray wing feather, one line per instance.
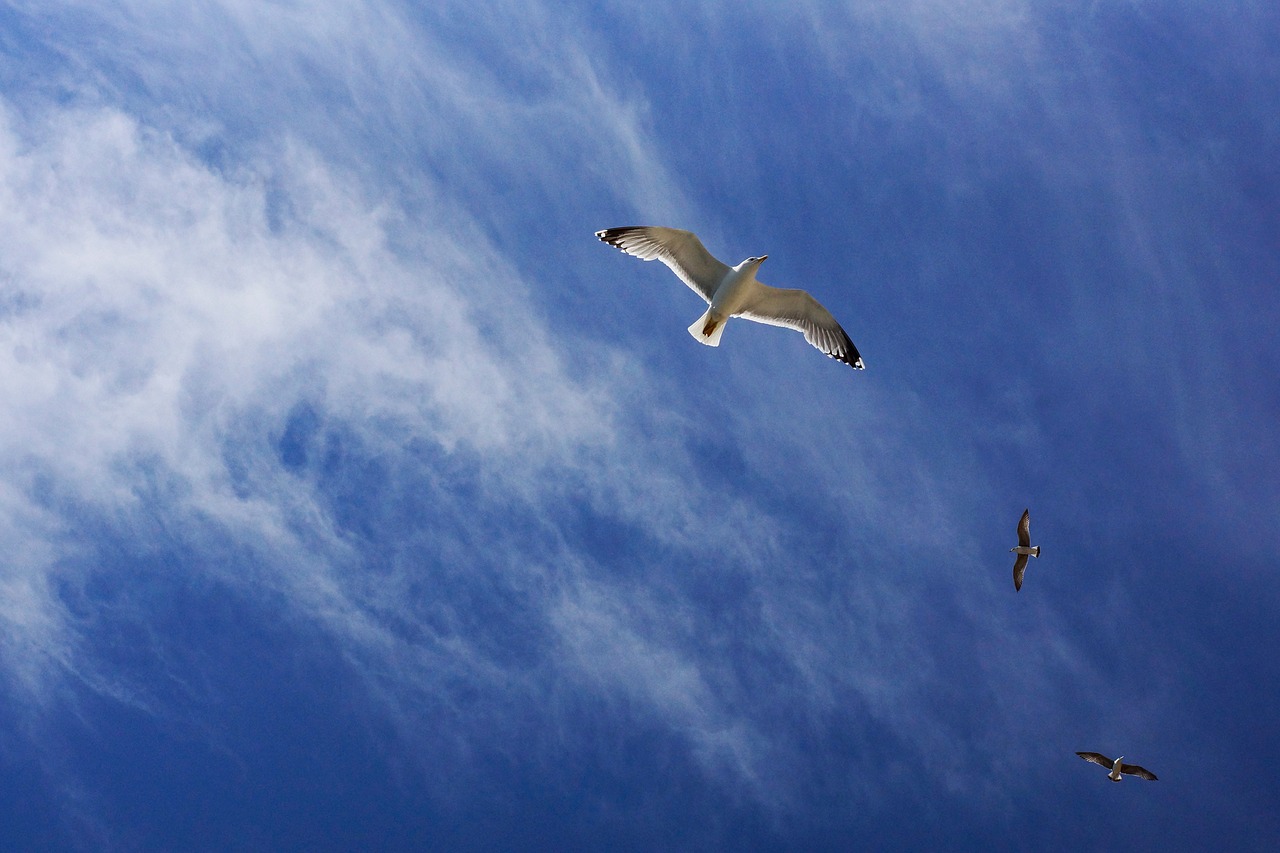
(1097, 758)
(681, 251)
(1140, 772)
(1024, 529)
(796, 309)
(1019, 568)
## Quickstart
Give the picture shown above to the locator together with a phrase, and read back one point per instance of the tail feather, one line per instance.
(711, 340)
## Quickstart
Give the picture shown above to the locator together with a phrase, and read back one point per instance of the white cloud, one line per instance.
(166, 312)
(161, 318)
(154, 313)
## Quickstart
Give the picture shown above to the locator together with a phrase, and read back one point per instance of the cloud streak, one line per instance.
(179, 336)
(295, 324)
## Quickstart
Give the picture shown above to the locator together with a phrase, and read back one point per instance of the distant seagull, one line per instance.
(1117, 768)
(733, 291)
(1024, 548)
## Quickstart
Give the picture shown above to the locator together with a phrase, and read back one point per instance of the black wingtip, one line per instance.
(614, 236)
(851, 355)
(608, 235)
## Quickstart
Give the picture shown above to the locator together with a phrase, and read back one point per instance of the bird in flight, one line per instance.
(1117, 767)
(734, 291)
(1022, 549)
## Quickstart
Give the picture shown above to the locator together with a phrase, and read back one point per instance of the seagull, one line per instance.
(1117, 768)
(733, 291)
(1023, 549)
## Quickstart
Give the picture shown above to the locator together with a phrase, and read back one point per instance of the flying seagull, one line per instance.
(1023, 549)
(733, 291)
(1117, 768)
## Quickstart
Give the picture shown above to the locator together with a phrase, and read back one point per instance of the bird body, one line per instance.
(1118, 767)
(731, 294)
(1023, 549)
(733, 291)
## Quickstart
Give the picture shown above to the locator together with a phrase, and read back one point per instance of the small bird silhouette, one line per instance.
(1117, 767)
(1022, 549)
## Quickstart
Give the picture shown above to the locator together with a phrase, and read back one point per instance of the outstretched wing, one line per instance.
(1140, 772)
(796, 309)
(1097, 758)
(1019, 568)
(1024, 529)
(681, 251)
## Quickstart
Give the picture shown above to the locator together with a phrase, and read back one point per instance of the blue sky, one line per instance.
(355, 497)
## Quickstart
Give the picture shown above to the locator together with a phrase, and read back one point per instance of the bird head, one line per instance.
(754, 262)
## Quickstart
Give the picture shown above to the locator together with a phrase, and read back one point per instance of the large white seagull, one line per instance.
(733, 291)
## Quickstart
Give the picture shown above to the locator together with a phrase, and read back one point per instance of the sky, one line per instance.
(354, 496)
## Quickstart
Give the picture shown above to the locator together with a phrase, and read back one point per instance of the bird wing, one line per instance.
(796, 309)
(1097, 758)
(1024, 529)
(681, 251)
(1019, 568)
(1140, 772)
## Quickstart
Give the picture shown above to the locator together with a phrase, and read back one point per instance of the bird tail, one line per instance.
(707, 330)
(1036, 552)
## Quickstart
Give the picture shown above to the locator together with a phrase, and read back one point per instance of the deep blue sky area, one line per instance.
(353, 496)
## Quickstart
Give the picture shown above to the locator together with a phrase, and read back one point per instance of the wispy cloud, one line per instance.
(249, 359)
(273, 319)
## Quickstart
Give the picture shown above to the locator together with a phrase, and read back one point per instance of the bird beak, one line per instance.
(764, 258)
